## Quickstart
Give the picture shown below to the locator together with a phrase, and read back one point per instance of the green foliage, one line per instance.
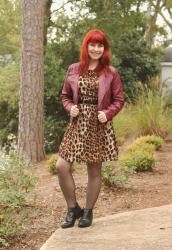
(9, 87)
(137, 63)
(3, 136)
(9, 27)
(9, 84)
(9, 67)
(54, 130)
(15, 185)
(138, 160)
(54, 70)
(55, 115)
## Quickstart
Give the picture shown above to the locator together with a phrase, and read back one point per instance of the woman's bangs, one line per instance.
(96, 38)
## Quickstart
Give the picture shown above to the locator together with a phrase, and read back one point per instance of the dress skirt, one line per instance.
(86, 139)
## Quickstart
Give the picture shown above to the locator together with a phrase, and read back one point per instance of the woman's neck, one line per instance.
(93, 64)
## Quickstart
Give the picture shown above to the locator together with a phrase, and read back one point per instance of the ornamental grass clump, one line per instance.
(146, 116)
(150, 115)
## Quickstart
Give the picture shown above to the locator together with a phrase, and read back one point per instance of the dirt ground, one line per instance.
(144, 190)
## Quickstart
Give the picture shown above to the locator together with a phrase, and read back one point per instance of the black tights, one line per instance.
(67, 183)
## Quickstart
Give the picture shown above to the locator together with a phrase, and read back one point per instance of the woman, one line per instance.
(92, 95)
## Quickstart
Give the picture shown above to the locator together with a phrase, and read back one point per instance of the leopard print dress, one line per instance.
(85, 138)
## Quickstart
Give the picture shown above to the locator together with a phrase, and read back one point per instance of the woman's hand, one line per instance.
(102, 117)
(74, 111)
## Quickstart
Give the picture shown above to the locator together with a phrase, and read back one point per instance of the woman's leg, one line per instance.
(66, 181)
(93, 190)
(94, 183)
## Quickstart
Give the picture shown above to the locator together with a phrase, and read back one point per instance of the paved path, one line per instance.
(146, 229)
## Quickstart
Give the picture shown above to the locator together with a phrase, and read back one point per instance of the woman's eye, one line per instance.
(98, 45)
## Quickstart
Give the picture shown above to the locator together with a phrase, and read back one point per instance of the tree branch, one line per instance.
(169, 12)
(166, 20)
(61, 7)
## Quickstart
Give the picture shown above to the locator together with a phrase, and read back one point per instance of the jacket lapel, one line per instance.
(102, 88)
(104, 85)
(74, 85)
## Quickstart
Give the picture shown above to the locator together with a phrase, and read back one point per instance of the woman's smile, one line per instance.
(95, 50)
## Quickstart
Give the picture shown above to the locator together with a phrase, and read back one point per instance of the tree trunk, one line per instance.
(30, 130)
(151, 21)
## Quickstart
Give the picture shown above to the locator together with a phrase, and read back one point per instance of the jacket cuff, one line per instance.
(108, 116)
(69, 106)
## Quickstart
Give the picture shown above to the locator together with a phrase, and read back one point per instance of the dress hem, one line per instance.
(85, 161)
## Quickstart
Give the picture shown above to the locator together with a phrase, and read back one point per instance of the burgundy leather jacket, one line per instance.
(110, 92)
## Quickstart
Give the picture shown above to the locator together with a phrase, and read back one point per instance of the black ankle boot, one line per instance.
(86, 219)
(72, 214)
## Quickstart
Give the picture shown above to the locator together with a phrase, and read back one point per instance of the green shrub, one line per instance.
(139, 160)
(15, 186)
(52, 164)
(113, 175)
(156, 141)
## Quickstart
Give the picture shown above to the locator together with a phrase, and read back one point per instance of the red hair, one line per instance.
(95, 36)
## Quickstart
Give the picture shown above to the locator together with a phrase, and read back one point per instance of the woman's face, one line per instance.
(95, 50)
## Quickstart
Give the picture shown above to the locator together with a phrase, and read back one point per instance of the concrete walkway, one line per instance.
(146, 229)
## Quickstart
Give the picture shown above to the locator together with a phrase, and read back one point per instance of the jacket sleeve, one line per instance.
(67, 94)
(117, 97)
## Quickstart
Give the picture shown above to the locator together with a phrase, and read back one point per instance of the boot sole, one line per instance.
(82, 226)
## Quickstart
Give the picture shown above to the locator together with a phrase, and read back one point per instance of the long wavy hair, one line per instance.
(95, 36)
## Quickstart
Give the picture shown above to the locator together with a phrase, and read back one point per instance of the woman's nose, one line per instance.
(96, 48)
